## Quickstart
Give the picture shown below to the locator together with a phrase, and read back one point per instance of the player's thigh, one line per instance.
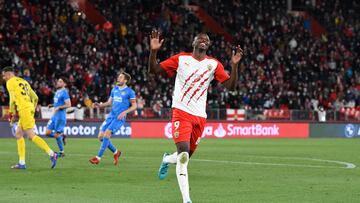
(197, 133)
(181, 129)
(114, 126)
(26, 119)
(50, 125)
(60, 125)
(105, 124)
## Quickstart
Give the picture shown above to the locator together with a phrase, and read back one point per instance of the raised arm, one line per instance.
(235, 59)
(155, 45)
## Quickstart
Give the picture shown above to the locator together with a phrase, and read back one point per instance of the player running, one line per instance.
(56, 125)
(121, 97)
(194, 72)
(23, 100)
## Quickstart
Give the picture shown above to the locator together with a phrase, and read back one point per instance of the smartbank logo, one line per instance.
(231, 130)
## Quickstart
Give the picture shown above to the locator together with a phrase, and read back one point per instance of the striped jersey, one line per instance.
(192, 81)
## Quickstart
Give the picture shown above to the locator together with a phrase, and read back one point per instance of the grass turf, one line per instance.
(227, 170)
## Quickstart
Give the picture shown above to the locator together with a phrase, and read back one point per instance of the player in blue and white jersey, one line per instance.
(122, 101)
(56, 125)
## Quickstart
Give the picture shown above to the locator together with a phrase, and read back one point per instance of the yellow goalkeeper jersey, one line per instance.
(21, 94)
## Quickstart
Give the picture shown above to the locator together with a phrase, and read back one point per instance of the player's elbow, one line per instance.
(229, 85)
(152, 69)
(155, 68)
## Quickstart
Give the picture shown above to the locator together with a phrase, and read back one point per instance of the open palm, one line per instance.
(155, 42)
(237, 55)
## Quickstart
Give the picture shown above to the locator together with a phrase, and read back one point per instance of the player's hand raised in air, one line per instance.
(155, 42)
(237, 55)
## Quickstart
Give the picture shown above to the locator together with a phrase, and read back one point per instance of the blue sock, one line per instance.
(60, 143)
(111, 147)
(104, 145)
(51, 134)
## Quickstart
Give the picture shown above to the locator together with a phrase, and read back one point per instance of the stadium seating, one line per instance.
(284, 65)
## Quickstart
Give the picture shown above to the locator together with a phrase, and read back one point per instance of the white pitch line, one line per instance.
(268, 164)
(347, 164)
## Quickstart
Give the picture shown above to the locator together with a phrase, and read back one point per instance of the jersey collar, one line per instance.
(122, 88)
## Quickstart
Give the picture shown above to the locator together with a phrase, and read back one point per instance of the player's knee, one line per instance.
(183, 147)
(183, 157)
(47, 133)
(30, 137)
(100, 136)
(107, 134)
(18, 136)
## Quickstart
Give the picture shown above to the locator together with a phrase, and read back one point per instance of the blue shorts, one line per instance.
(56, 125)
(111, 123)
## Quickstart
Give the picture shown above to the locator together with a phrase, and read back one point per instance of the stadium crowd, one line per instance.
(284, 65)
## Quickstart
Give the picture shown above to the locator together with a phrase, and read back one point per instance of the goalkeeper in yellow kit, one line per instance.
(23, 100)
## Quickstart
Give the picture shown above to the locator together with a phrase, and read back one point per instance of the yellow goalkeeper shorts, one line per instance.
(26, 118)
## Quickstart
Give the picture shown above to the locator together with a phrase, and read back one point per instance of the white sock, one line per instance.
(98, 157)
(182, 175)
(115, 152)
(51, 153)
(22, 162)
(171, 159)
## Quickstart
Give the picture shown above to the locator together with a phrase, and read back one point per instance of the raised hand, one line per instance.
(155, 42)
(237, 55)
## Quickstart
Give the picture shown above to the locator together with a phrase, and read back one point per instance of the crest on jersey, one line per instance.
(209, 67)
(123, 93)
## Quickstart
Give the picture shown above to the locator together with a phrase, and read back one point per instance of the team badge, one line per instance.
(123, 93)
(209, 67)
(176, 134)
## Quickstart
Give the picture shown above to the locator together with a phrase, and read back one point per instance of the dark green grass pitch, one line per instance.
(231, 170)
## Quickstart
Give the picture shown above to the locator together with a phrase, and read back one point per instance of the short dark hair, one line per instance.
(127, 75)
(63, 78)
(8, 69)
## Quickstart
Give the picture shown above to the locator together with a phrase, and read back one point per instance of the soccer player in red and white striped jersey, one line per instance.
(194, 72)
